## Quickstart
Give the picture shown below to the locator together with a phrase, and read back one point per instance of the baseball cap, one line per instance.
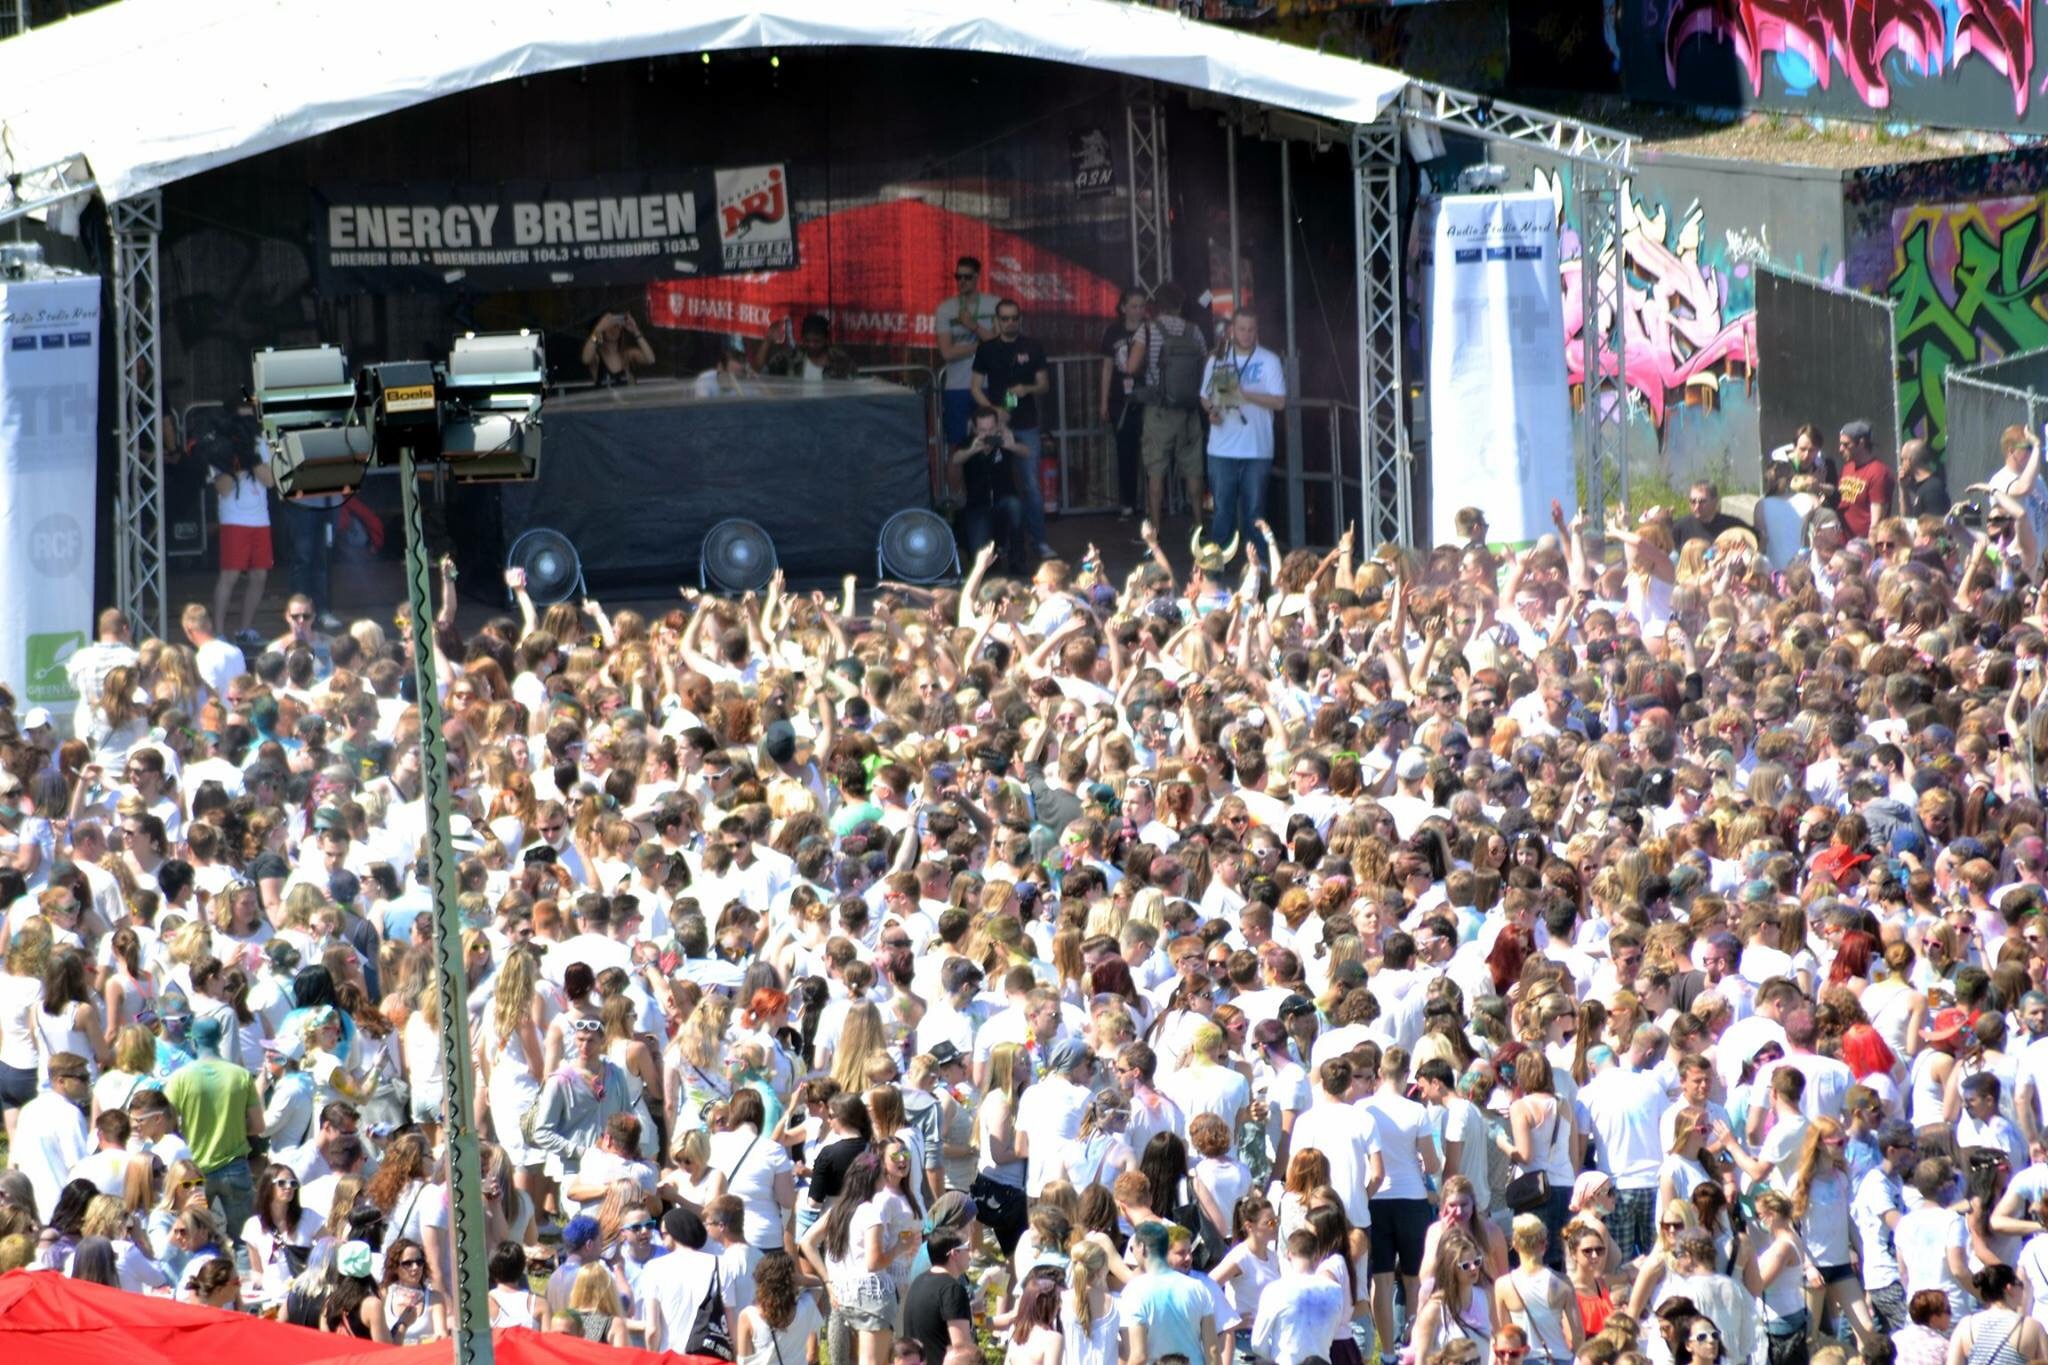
(1412, 765)
(35, 718)
(778, 741)
(1067, 1055)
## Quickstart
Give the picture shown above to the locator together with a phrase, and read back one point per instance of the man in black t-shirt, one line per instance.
(1920, 482)
(1706, 521)
(993, 508)
(1011, 373)
(936, 1313)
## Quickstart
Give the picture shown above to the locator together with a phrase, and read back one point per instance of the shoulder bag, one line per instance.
(1530, 1191)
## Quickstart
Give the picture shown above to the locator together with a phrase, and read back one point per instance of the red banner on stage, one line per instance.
(878, 271)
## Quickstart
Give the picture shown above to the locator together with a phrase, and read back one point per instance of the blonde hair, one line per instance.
(594, 1290)
(701, 1039)
(1529, 1235)
(1087, 1267)
(513, 996)
(105, 1216)
(860, 1037)
(175, 1175)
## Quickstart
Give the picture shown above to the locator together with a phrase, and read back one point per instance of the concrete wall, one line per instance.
(1693, 230)
(1934, 62)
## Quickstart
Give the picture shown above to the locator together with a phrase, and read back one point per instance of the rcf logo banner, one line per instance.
(753, 219)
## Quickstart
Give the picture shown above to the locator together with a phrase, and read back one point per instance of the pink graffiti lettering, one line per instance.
(1859, 36)
(1681, 340)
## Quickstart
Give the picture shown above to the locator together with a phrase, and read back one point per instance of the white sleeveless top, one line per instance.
(60, 1034)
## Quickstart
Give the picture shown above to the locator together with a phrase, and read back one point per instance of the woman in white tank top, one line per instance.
(1537, 1299)
(1927, 1077)
(68, 1019)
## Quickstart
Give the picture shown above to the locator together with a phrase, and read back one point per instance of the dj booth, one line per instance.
(635, 476)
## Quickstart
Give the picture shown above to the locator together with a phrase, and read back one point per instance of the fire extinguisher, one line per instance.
(1049, 481)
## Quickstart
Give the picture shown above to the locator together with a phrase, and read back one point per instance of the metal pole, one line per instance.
(1297, 512)
(472, 1324)
(1230, 167)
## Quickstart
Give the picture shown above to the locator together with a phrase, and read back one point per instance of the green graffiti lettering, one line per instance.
(1999, 293)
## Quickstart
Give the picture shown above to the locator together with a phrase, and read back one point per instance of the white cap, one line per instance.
(35, 718)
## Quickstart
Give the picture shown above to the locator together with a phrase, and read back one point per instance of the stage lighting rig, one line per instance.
(478, 416)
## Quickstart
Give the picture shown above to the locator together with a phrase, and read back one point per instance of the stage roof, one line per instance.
(153, 91)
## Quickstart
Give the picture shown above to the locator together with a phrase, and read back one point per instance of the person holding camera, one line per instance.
(613, 348)
(993, 511)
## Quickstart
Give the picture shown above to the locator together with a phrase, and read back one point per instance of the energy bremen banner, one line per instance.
(526, 234)
(49, 474)
(1500, 428)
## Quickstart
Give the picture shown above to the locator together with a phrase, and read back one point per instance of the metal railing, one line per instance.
(1078, 437)
(1323, 474)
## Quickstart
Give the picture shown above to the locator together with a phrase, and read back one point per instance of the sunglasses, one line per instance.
(412, 1263)
(586, 1025)
(284, 1184)
(1672, 1227)
(190, 1184)
(1595, 1249)
(644, 1225)
(1469, 1267)
(1703, 1338)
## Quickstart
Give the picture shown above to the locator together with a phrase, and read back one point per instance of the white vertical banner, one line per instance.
(49, 479)
(1500, 431)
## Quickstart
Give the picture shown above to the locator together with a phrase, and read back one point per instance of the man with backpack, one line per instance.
(1167, 357)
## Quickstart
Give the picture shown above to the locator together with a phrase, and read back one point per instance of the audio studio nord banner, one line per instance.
(527, 234)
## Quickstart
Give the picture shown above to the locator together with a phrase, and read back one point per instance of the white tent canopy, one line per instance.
(153, 91)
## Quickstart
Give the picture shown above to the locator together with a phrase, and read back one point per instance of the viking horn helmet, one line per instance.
(1209, 557)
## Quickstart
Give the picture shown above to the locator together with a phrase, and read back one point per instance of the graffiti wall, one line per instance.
(1961, 247)
(1949, 63)
(1688, 376)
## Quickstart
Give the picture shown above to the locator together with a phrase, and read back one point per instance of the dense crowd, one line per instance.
(1612, 951)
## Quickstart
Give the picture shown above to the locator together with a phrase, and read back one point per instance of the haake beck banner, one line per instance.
(618, 229)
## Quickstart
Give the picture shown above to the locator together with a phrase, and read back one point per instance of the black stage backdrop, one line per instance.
(634, 478)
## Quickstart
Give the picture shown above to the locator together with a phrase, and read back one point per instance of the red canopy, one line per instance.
(877, 271)
(59, 1321)
(70, 1322)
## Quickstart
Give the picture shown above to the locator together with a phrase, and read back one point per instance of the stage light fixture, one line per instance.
(737, 556)
(309, 462)
(554, 571)
(478, 416)
(916, 546)
(304, 386)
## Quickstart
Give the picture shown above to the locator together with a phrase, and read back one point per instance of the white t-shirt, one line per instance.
(1049, 1112)
(1627, 1113)
(946, 323)
(1922, 1240)
(1347, 1136)
(1246, 431)
(1208, 1089)
(1403, 1127)
(1877, 1195)
(248, 502)
(750, 1177)
(2036, 501)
